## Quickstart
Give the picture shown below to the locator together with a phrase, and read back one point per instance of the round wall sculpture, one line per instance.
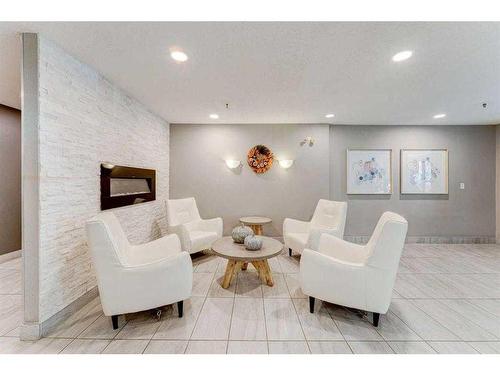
(260, 158)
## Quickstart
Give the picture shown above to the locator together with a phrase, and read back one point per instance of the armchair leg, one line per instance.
(376, 317)
(180, 308)
(311, 304)
(289, 252)
(114, 320)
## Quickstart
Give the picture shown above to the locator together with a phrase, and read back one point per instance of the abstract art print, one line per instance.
(369, 171)
(424, 171)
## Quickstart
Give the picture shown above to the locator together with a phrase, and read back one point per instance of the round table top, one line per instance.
(255, 220)
(225, 247)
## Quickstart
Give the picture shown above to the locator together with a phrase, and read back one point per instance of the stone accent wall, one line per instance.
(86, 120)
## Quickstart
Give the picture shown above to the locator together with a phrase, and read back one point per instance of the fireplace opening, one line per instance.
(124, 186)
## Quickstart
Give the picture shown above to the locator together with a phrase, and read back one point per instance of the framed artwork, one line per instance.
(260, 158)
(369, 171)
(424, 171)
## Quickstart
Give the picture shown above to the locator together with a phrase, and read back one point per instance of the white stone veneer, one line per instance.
(85, 120)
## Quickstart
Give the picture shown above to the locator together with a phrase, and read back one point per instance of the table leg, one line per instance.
(257, 229)
(231, 264)
(244, 266)
(267, 273)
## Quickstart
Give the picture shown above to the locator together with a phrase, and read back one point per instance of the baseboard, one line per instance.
(9, 256)
(34, 331)
(433, 239)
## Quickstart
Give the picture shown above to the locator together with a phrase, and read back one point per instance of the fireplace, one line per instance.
(124, 186)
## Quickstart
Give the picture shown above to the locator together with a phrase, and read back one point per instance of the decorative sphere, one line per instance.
(240, 233)
(253, 242)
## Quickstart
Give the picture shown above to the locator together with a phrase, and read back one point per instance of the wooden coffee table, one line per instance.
(238, 257)
(255, 222)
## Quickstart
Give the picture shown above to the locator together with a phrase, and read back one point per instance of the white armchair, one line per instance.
(356, 276)
(329, 217)
(136, 278)
(195, 233)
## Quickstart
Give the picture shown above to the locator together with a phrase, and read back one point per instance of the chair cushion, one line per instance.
(296, 241)
(201, 240)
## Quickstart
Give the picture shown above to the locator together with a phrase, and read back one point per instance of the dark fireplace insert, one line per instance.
(124, 186)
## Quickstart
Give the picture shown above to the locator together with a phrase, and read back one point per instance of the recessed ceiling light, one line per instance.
(401, 56)
(330, 115)
(178, 56)
(440, 115)
(214, 116)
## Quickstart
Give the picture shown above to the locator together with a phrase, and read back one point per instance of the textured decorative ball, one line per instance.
(240, 233)
(253, 242)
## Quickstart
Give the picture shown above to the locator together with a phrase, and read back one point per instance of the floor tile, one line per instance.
(282, 322)
(411, 347)
(288, 347)
(214, 320)
(392, 328)
(317, 326)
(247, 347)
(173, 327)
(79, 321)
(248, 320)
(10, 281)
(140, 326)
(166, 347)
(370, 347)
(206, 347)
(329, 347)
(452, 347)
(421, 323)
(201, 284)
(293, 284)
(357, 330)
(86, 346)
(278, 290)
(486, 347)
(126, 347)
(289, 264)
(454, 322)
(12, 345)
(248, 284)
(490, 305)
(101, 329)
(216, 289)
(11, 313)
(274, 265)
(209, 263)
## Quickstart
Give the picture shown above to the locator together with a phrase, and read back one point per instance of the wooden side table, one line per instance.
(237, 256)
(256, 223)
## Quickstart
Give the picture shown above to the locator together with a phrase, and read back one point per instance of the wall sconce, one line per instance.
(232, 164)
(285, 164)
(307, 141)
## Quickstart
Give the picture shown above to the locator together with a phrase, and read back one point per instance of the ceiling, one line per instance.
(285, 72)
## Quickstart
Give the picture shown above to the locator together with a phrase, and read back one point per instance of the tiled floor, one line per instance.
(446, 300)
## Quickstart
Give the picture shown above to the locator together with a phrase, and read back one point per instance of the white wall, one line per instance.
(498, 183)
(84, 120)
(10, 187)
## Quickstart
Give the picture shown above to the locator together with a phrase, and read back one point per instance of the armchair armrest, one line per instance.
(182, 233)
(315, 235)
(332, 280)
(342, 250)
(211, 225)
(295, 226)
(158, 249)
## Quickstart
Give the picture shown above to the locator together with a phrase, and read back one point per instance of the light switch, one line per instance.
(462, 186)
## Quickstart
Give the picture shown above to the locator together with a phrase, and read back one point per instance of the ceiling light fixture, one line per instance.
(214, 116)
(401, 56)
(440, 115)
(330, 115)
(178, 56)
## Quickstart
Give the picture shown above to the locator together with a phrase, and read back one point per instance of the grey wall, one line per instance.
(469, 212)
(197, 168)
(10, 187)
